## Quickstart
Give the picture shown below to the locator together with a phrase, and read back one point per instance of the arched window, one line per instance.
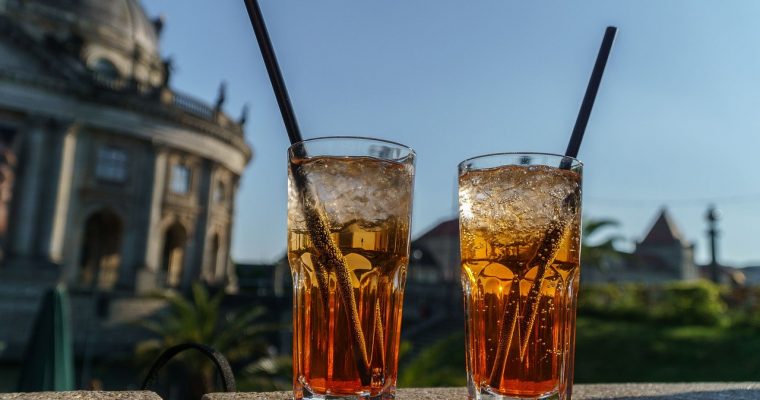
(105, 69)
(100, 256)
(180, 179)
(174, 254)
(220, 192)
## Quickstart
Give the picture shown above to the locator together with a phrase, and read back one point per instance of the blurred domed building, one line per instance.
(118, 177)
(110, 180)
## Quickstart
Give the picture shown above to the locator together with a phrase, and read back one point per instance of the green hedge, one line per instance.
(744, 306)
(691, 303)
(441, 364)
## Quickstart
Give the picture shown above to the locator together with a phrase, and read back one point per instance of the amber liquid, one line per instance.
(493, 290)
(520, 316)
(324, 361)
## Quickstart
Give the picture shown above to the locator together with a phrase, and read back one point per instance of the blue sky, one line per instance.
(675, 123)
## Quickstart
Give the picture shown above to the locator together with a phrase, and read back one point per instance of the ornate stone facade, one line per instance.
(110, 180)
(119, 176)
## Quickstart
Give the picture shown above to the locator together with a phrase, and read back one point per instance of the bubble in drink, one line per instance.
(520, 242)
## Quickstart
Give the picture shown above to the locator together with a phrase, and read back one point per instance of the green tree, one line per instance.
(237, 335)
(441, 364)
(598, 253)
(691, 303)
(267, 374)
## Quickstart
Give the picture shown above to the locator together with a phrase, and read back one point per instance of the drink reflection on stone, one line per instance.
(520, 244)
(367, 204)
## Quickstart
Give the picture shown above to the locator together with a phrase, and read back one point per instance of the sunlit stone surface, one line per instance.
(627, 391)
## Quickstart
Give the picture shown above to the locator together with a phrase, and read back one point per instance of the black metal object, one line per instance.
(713, 215)
(222, 366)
(273, 69)
(588, 99)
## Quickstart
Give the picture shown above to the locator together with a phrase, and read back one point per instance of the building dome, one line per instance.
(122, 21)
(115, 36)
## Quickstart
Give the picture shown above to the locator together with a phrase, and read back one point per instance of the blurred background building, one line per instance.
(663, 255)
(110, 180)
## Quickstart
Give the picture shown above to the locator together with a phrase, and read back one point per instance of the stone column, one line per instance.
(63, 195)
(222, 258)
(230, 279)
(147, 276)
(28, 191)
(129, 238)
(197, 240)
(52, 177)
(210, 258)
(207, 274)
(137, 218)
(154, 240)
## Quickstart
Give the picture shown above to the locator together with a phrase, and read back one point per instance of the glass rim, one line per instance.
(357, 138)
(575, 162)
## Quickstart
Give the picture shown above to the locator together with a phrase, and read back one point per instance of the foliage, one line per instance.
(619, 350)
(237, 335)
(697, 302)
(622, 301)
(267, 374)
(675, 332)
(404, 349)
(600, 254)
(613, 350)
(744, 306)
(694, 303)
(441, 364)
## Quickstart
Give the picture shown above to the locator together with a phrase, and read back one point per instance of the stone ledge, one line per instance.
(81, 395)
(624, 391)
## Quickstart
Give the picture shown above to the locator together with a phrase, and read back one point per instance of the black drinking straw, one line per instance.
(273, 69)
(318, 228)
(588, 99)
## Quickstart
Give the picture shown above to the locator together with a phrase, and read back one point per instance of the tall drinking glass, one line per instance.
(519, 217)
(349, 212)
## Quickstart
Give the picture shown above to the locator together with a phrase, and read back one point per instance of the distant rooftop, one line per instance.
(122, 24)
(663, 231)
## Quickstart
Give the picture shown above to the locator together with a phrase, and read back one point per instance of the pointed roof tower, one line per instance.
(663, 231)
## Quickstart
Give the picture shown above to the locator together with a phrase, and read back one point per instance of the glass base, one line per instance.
(304, 392)
(485, 394)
